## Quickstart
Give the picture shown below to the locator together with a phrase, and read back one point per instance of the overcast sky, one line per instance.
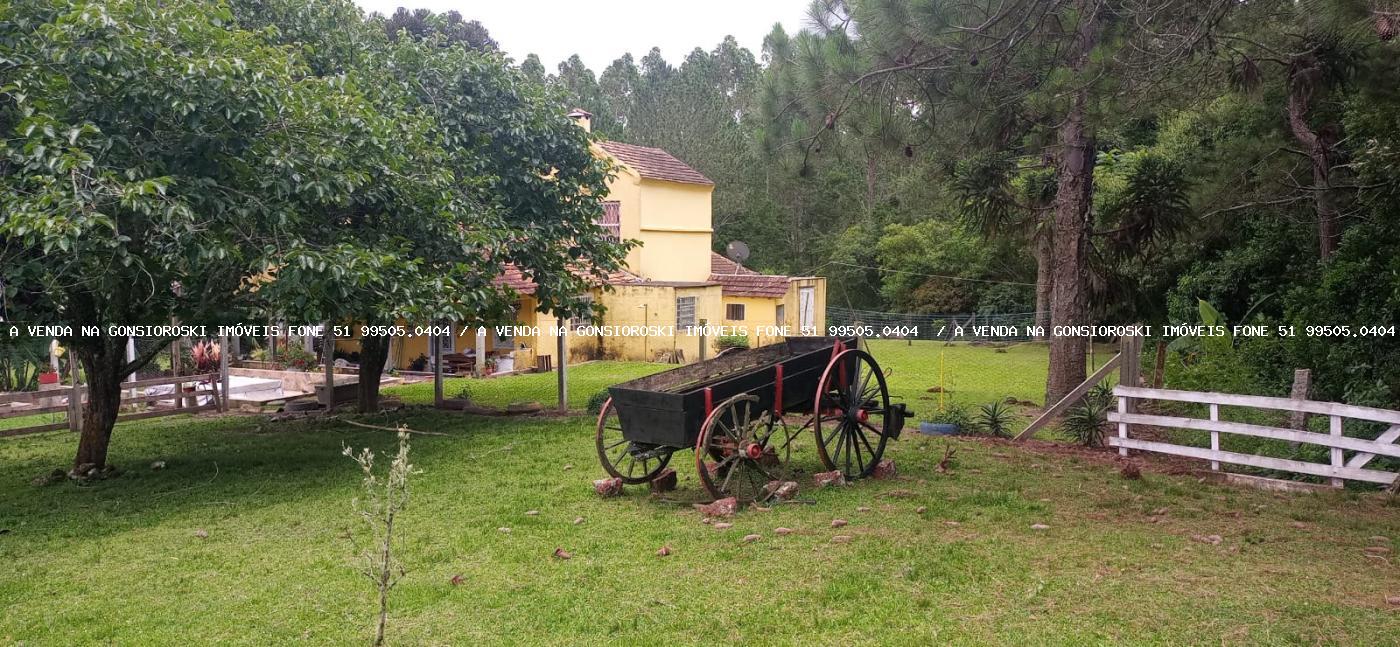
(602, 31)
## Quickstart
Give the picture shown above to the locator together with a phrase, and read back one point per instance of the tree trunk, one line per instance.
(104, 361)
(1321, 147)
(1073, 198)
(374, 352)
(1044, 278)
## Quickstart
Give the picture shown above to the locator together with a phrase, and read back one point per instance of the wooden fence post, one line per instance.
(223, 373)
(328, 357)
(436, 343)
(1336, 429)
(75, 396)
(1215, 435)
(1160, 369)
(563, 368)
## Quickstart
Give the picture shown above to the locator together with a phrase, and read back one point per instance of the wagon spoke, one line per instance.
(865, 440)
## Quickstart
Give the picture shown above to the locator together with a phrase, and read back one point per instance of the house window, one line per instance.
(685, 312)
(780, 316)
(446, 343)
(612, 220)
(734, 312)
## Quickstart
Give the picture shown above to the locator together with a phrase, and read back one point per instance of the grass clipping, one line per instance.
(378, 507)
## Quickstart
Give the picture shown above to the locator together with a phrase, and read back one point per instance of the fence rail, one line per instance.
(1338, 469)
(130, 397)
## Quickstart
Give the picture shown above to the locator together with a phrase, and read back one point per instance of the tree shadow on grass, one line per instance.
(229, 461)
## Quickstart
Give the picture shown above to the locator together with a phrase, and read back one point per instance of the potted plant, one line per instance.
(950, 420)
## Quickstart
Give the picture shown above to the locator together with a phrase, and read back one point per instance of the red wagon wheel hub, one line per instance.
(862, 415)
(754, 451)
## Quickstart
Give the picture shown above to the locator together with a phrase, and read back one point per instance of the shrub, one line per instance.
(953, 414)
(298, 358)
(595, 403)
(725, 342)
(995, 419)
(1084, 423)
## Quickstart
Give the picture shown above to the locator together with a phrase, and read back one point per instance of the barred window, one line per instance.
(734, 312)
(612, 220)
(685, 312)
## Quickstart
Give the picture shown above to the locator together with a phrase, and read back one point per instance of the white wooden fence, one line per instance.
(184, 398)
(1337, 470)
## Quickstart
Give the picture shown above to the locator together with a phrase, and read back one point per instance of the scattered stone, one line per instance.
(951, 523)
(837, 523)
(1298, 524)
(725, 507)
(1393, 600)
(749, 539)
(201, 533)
(664, 482)
(664, 551)
(578, 520)
(560, 553)
(157, 466)
(706, 520)
(532, 513)
(782, 531)
(780, 490)
(457, 580)
(723, 525)
(1131, 472)
(56, 476)
(841, 539)
(504, 530)
(920, 510)
(1213, 540)
(1158, 512)
(863, 508)
(568, 467)
(885, 470)
(1377, 550)
(833, 478)
(899, 494)
(1039, 526)
(608, 487)
(1378, 539)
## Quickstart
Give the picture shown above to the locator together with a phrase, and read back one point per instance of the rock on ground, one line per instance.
(664, 482)
(833, 478)
(608, 487)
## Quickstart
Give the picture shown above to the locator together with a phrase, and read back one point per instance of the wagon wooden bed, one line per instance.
(742, 411)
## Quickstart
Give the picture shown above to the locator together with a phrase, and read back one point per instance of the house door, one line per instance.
(807, 310)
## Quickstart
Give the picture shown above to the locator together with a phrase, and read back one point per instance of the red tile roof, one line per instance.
(516, 280)
(740, 281)
(654, 163)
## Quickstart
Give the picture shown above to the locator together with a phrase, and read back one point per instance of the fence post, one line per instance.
(704, 341)
(436, 342)
(1336, 451)
(562, 345)
(223, 373)
(1215, 435)
(1122, 426)
(75, 396)
(1160, 368)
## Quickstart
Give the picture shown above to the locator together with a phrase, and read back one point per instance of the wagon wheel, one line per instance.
(750, 447)
(632, 462)
(851, 418)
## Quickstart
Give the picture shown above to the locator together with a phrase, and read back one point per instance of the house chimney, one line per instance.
(583, 118)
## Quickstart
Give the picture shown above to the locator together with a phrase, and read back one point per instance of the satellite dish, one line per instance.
(737, 251)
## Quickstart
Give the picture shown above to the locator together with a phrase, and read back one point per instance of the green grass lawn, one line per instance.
(122, 562)
(584, 381)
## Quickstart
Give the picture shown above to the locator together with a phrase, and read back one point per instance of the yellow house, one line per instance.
(674, 289)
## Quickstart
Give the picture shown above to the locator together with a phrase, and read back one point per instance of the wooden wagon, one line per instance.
(742, 411)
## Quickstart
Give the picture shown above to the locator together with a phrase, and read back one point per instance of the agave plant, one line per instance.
(995, 418)
(1085, 422)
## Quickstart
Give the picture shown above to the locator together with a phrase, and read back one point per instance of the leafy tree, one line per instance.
(152, 158)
